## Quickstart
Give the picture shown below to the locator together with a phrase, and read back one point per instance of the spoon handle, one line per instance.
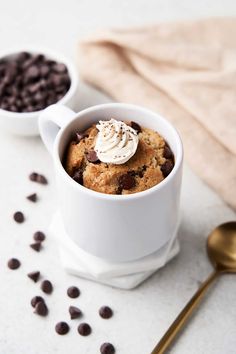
(184, 315)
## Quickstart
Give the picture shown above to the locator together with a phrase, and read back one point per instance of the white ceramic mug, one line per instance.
(114, 227)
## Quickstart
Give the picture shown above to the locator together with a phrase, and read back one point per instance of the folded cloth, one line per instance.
(185, 71)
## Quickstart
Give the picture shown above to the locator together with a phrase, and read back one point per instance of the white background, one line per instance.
(142, 315)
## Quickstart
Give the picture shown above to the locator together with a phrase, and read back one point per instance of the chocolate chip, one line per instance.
(92, 156)
(73, 292)
(126, 181)
(60, 68)
(107, 348)
(105, 312)
(41, 179)
(62, 328)
(47, 287)
(78, 176)
(167, 153)
(119, 190)
(19, 217)
(32, 73)
(44, 70)
(39, 236)
(32, 197)
(136, 127)
(34, 276)
(167, 167)
(35, 300)
(33, 176)
(41, 308)
(84, 329)
(75, 312)
(13, 263)
(36, 246)
(36, 177)
(79, 136)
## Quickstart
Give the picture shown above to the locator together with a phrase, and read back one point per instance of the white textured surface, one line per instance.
(141, 315)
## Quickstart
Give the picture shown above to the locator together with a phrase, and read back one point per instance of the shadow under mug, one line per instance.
(118, 228)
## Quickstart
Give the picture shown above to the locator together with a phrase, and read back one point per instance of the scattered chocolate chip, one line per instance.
(79, 136)
(73, 292)
(35, 300)
(75, 312)
(92, 156)
(167, 167)
(42, 180)
(36, 246)
(62, 328)
(41, 308)
(136, 127)
(39, 236)
(33, 176)
(78, 176)
(34, 276)
(84, 329)
(47, 287)
(32, 197)
(126, 181)
(105, 312)
(107, 348)
(36, 177)
(13, 263)
(19, 217)
(167, 153)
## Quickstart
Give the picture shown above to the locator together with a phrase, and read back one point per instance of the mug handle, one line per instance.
(51, 120)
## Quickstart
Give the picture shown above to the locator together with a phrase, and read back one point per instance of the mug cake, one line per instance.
(116, 157)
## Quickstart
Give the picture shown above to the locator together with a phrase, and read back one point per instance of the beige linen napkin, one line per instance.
(185, 71)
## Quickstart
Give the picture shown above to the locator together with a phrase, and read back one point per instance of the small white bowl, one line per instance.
(26, 123)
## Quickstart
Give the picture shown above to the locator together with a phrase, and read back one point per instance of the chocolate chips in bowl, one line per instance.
(29, 82)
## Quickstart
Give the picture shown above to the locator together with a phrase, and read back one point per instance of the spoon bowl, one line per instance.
(221, 247)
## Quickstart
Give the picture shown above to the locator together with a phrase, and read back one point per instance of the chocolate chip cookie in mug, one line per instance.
(118, 228)
(116, 157)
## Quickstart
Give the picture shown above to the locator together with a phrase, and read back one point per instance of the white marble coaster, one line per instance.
(125, 275)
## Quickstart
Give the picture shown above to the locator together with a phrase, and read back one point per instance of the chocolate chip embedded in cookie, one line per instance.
(92, 156)
(167, 167)
(126, 181)
(136, 127)
(78, 176)
(79, 136)
(167, 153)
(115, 159)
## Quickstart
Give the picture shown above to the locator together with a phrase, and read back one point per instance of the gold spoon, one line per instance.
(221, 249)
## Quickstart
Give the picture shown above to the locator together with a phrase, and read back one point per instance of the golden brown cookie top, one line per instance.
(151, 163)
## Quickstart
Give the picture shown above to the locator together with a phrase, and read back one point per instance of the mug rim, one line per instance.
(117, 197)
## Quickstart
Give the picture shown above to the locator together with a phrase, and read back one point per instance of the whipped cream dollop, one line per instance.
(116, 142)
